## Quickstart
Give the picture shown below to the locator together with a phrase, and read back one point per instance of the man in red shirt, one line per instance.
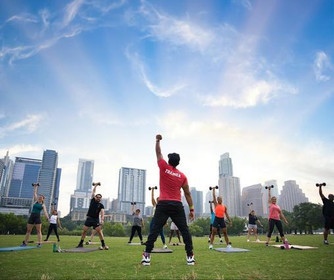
(170, 205)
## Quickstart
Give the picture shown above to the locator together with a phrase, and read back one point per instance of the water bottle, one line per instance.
(54, 247)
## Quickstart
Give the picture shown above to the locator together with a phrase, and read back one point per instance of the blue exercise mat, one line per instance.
(17, 248)
(231, 250)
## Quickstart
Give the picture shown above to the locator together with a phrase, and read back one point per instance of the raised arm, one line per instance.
(158, 138)
(250, 207)
(189, 199)
(35, 192)
(269, 196)
(320, 192)
(214, 196)
(94, 189)
(211, 210)
(154, 203)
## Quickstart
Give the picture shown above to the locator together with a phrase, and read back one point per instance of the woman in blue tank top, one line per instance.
(35, 217)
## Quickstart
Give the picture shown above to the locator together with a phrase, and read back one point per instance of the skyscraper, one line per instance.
(85, 175)
(48, 177)
(253, 194)
(229, 186)
(291, 195)
(208, 197)
(6, 171)
(197, 197)
(131, 188)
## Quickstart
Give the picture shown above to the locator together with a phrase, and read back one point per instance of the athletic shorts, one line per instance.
(173, 226)
(250, 226)
(329, 222)
(92, 222)
(35, 219)
(219, 223)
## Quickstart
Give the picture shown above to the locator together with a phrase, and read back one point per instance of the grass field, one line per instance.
(122, 261)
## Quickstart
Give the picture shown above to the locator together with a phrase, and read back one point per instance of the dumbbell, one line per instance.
(133, 203)
(269, 187)
(35, 184)
(152, 188)
(211, 188)
(210, 201)
(320, 184)
(248, 204)
(96, 184)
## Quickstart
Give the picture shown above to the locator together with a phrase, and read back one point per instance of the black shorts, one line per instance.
(329, 222)
(92, 222)
(35, 219)
(219, 223)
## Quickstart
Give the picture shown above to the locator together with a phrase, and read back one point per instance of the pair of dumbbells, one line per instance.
(133, 203)
(152, 188)
(35, 184)
(269, 187)
(211, 188)
(96, 184)
(320, 185)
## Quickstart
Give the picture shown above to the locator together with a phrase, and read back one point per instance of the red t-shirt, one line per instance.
(171, 181)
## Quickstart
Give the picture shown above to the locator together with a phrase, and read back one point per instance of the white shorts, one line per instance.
(250, 226)
(173, 226)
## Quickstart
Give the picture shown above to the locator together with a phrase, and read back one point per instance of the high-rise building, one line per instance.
(48, 177)
(291, 195)
(197, 197)
(229, 186)
(25, 172)
(6, 171)
(208, 197)
(131, 188)
(85, 175)
(253, 194)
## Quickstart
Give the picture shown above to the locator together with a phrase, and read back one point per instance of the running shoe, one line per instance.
(146, 260)
(80, 245)
(165, 246)
(257, 240)
(210, 247)
(326, 242)
(247, 240)
(221, 241)
(39, 245)
(191, 260)
(23, 244)
(105, 247)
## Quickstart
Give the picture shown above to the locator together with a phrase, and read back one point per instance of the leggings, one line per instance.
(133, 231)
(52, 227)
(161, 232)
(279, 226)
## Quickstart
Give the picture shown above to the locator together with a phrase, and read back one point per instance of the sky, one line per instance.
(98, 80)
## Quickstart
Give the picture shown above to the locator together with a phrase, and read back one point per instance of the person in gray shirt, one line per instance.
(137, 224)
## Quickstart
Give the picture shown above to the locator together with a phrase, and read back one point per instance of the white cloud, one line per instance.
(18, 150)
(321, 66)
(23, 18)
(245, 3)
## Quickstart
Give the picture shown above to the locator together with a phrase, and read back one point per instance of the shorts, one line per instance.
(92, 222)
(35, 219)
(329, 222)
(173, 226)
(250, 226)
(219, 223)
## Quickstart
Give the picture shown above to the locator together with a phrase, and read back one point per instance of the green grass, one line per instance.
(122, 261)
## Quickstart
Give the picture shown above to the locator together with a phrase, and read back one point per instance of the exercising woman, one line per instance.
(54, 223)
(211, 223)
(252, 226)
(35, 218)
(275, 214)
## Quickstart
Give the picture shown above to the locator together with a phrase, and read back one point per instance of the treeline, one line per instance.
(305, 218)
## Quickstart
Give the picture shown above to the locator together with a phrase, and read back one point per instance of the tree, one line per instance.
(238, 226)
(195, 230)
(307, 217)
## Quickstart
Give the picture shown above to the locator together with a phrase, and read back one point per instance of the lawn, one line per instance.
(122, 261)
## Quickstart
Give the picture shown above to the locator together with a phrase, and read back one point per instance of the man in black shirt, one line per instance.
(328, 212)
(96, 209)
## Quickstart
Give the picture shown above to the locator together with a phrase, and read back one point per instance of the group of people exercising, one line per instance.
(169, 205)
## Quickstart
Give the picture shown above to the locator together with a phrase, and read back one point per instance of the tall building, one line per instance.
(48, 177)
(291, 195)
(85, 175)
(208, 197)
(197, 197)
(253, 194)
(6, 172)
(131, 188)
(229, 186)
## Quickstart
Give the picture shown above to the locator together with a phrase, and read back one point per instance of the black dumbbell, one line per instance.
(269, 187)
(35, 184)
(133, 203)
(249, 203)
(211, 188)
(320, 184)
(96, 184)
(210, 201)
(153, 188)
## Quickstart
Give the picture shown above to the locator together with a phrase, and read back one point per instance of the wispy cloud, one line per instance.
(244, 3)
(27, 125)
(23, 18)
(20, 149)
(322, 67)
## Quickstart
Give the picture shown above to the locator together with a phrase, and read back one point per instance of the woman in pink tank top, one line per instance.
(275, 214)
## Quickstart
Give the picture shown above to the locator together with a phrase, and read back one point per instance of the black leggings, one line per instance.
(279, 226)
(52, 227)
(133, 231)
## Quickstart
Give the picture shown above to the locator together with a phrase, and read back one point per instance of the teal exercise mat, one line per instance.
(16, 248)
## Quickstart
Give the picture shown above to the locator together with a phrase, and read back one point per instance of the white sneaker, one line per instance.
(247, 240)
(229, 246)
(191, 260)
(165, 246)
(146, 260)
(210, 247)
(257, 240)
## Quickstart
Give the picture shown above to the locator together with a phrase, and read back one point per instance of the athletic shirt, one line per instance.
(94, 208)
(274, 212)
(137, 220)
(171, 181)
(53, 219)
(220, 210)
(328, 208)
(252, 219)
(37, 208)
(212, 218)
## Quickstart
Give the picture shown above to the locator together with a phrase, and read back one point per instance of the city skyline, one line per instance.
(99, 79)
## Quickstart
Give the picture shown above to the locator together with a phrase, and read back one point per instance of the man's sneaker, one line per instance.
(39, 245)
(210, 247)
(191, 260)
(80, 245)
(165, 246)
(146, 260)
(326, 242)
(23, 244)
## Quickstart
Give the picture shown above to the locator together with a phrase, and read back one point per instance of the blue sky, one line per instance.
(99, 79)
